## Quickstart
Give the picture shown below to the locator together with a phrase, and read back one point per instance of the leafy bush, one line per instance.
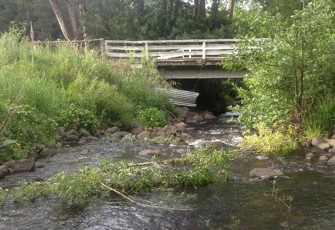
(75, 117)
(270, 140)
(151, 117)
(293, 70)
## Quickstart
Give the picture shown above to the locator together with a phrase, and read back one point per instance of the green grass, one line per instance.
(69, 86)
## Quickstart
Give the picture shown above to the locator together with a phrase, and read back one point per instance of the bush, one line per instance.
(75, 117)
(270, 140)
(151, 117)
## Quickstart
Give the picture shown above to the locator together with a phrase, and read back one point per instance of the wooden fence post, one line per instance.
(103, 47)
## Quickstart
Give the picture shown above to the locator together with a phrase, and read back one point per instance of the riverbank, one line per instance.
(243, 202)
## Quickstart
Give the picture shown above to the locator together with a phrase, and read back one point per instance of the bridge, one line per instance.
(179, 59)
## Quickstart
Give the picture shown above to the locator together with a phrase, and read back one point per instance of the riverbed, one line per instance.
(240, 203)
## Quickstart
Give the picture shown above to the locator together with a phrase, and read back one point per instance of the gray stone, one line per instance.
(84, 132)
(218, 145)
(39, 164)
(191, 122)
(72, 138)
(316, 141)
(331, 142)
(323, 158)
(150, 152)
(309, 156)
(91, 138)
(324, 146)
(3, 171)
(209, 116)
(61, 131)
(48, 152)
(119, 135)
(182, 112)
(112, 130)
(143, 135)
(198, 118)
(181, 126)
(266, 173)
(306, 144)
(331, 161)
(72, 132)
(331, 151)
(20, 166)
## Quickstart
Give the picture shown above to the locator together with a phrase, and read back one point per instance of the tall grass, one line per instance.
(321, 120)
(54, 85)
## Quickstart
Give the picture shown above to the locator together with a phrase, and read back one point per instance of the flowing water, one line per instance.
(241, 203)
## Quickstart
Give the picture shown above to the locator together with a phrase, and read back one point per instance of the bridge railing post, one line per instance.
(146, 50)
(103, 47)
(203, 50)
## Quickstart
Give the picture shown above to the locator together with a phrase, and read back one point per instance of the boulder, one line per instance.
(20, 166)
(309, 156)
(3, 171)
(331, 151)
(181, 126)
(331, 161)
(72, 138)
(316, 141)
(266, 173)
(198, 118)
(218, 145)
(191, 121)
(323, 158)
(331, 142)
(182, 112)
(306, 144)
(112, 130)
(47, 152)
(209, 116)
(324, 146)
(84, 132)
(72, 132)
(150, 152)
(119, 135)
(61, 131)
(143, 135)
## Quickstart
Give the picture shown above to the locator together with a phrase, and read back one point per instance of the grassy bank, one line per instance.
(46, 86)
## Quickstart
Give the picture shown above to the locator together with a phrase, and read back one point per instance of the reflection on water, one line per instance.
(240, 204)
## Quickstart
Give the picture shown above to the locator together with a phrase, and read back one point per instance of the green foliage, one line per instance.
(44, 84)
(321, 119)
(292, 71)
(151, 117)
(75, 117)
(200, 168)
(270, 140)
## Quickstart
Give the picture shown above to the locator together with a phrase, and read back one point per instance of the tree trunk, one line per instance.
(215, 8)
(60, 18)
(73, 11)
(230, 9)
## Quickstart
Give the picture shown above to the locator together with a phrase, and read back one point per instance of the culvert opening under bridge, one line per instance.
(215, 95)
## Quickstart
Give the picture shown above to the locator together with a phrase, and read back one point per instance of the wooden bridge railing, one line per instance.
(173, 52)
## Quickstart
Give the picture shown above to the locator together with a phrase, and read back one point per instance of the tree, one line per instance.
(73, 30)
(293, 72)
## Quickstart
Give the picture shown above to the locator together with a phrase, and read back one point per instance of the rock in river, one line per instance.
(266, 173)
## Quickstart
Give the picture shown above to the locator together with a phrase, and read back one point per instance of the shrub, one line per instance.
(75, 117)
(151, 117)
(268, 140)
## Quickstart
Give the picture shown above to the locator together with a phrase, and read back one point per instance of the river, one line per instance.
(240, 203)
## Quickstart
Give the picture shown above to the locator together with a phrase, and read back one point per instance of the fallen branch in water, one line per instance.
(117, 192)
